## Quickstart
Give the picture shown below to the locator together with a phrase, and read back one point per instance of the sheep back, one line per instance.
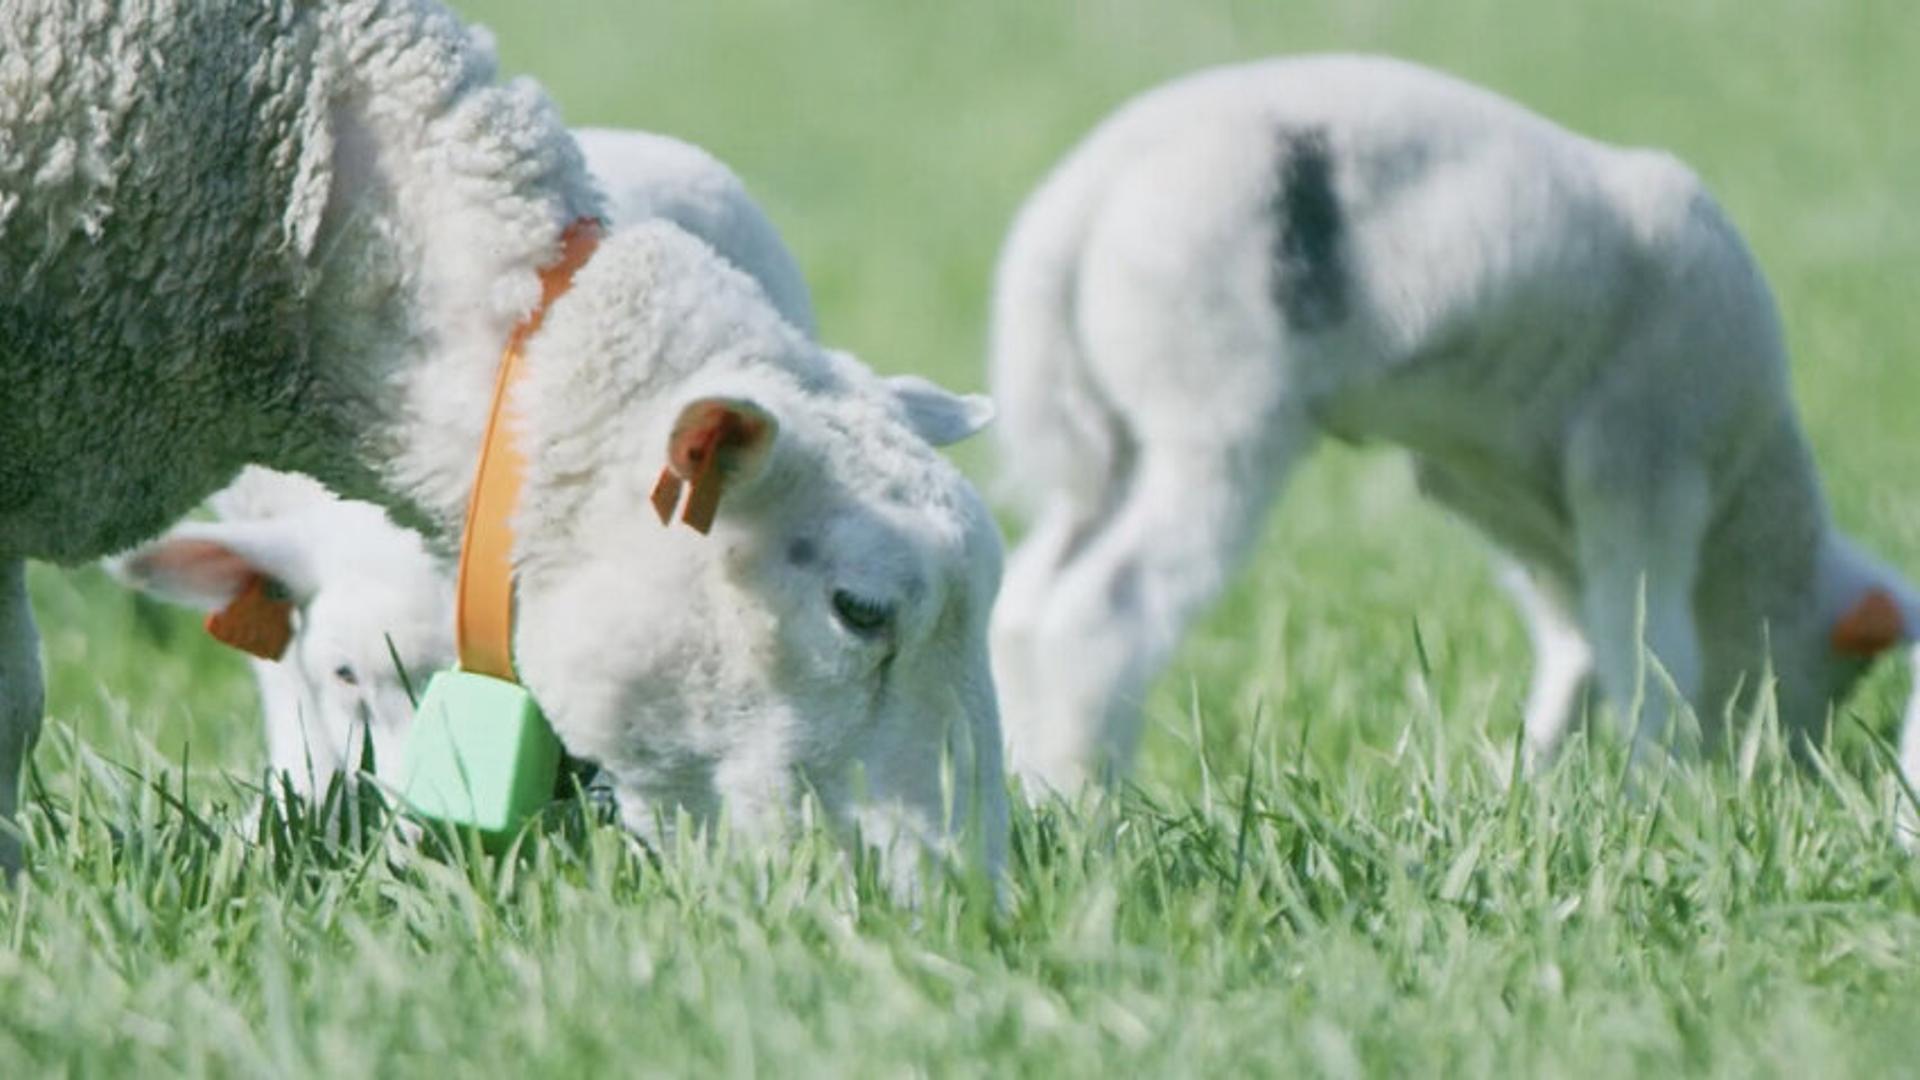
(163, 171)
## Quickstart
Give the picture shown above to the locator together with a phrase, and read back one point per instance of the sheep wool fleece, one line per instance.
(166, 170)
(177, 154)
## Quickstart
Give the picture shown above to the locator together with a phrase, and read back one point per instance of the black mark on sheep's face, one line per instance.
(802, 552)
(1309, 276)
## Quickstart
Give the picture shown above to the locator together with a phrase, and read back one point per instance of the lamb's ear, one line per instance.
(246, 575)
(717, 444)
(1871, 625)
(938, 415)
(205, 564)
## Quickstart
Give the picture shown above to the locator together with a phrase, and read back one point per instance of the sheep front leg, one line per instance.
(1639, 524)
(1562, 662)
(1908, 822)
(21, 699)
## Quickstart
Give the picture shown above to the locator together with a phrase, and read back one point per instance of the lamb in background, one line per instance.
(1570, 338)
(300, 236)
(374, 617)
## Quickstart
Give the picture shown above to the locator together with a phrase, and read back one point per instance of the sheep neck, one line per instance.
(484, 596)
(447, 194)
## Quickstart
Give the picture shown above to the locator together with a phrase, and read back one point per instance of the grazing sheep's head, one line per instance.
(826, 634)
(372, 612)
(1859, 610)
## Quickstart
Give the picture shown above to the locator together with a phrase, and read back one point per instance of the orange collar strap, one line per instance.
(483, 618)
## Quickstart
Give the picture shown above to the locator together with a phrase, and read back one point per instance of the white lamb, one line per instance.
(1570, 338)
(374, 616)
(374, 605)
(300, 236)
(657, 176)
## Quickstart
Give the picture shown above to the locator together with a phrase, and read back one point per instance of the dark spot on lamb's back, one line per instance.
(1309, 272)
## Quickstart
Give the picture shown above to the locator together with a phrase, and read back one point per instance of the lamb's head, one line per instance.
(1860, 609)
(372, 620)
(826, 634)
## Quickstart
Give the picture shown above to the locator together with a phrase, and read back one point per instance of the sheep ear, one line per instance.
(246, 575)
(205, 565)
(717, 444)
(1872, 625)
(938, 415)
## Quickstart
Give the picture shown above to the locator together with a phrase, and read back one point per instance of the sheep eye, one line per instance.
(862, 616)
(345, 674)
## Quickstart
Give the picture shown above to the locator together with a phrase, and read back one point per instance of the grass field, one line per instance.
(1320, 871)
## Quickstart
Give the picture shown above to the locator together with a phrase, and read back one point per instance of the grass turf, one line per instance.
(1319, 871)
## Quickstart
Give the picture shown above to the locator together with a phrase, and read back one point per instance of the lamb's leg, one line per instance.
(1562, 662)
(1034, 569)
(1909, 816)
(1118, 609)
(21, 699)
(1639, 522)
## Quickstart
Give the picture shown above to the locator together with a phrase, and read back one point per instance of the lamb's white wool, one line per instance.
(300, 235)
(657, 176)
(1569, 337)
(374, 616)
(374, 605)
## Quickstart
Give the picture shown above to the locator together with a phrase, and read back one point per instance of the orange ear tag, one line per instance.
(704, 502)
(1872, 624)
(255, 621)
(666, 494)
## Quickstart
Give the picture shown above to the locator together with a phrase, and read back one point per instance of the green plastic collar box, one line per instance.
(480, 755)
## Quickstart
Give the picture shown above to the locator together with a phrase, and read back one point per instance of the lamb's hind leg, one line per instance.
(21, 699)
(1908, 817)
(1118, 609)
(1021, 671)
(1211, 277)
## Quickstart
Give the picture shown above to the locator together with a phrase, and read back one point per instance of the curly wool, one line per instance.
(163, 175)
(201, 235)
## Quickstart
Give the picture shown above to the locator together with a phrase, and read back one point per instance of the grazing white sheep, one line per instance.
(301, 235)
(374, 607)
(1569, 337)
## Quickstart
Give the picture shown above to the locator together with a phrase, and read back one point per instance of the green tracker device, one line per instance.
(480, 756)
